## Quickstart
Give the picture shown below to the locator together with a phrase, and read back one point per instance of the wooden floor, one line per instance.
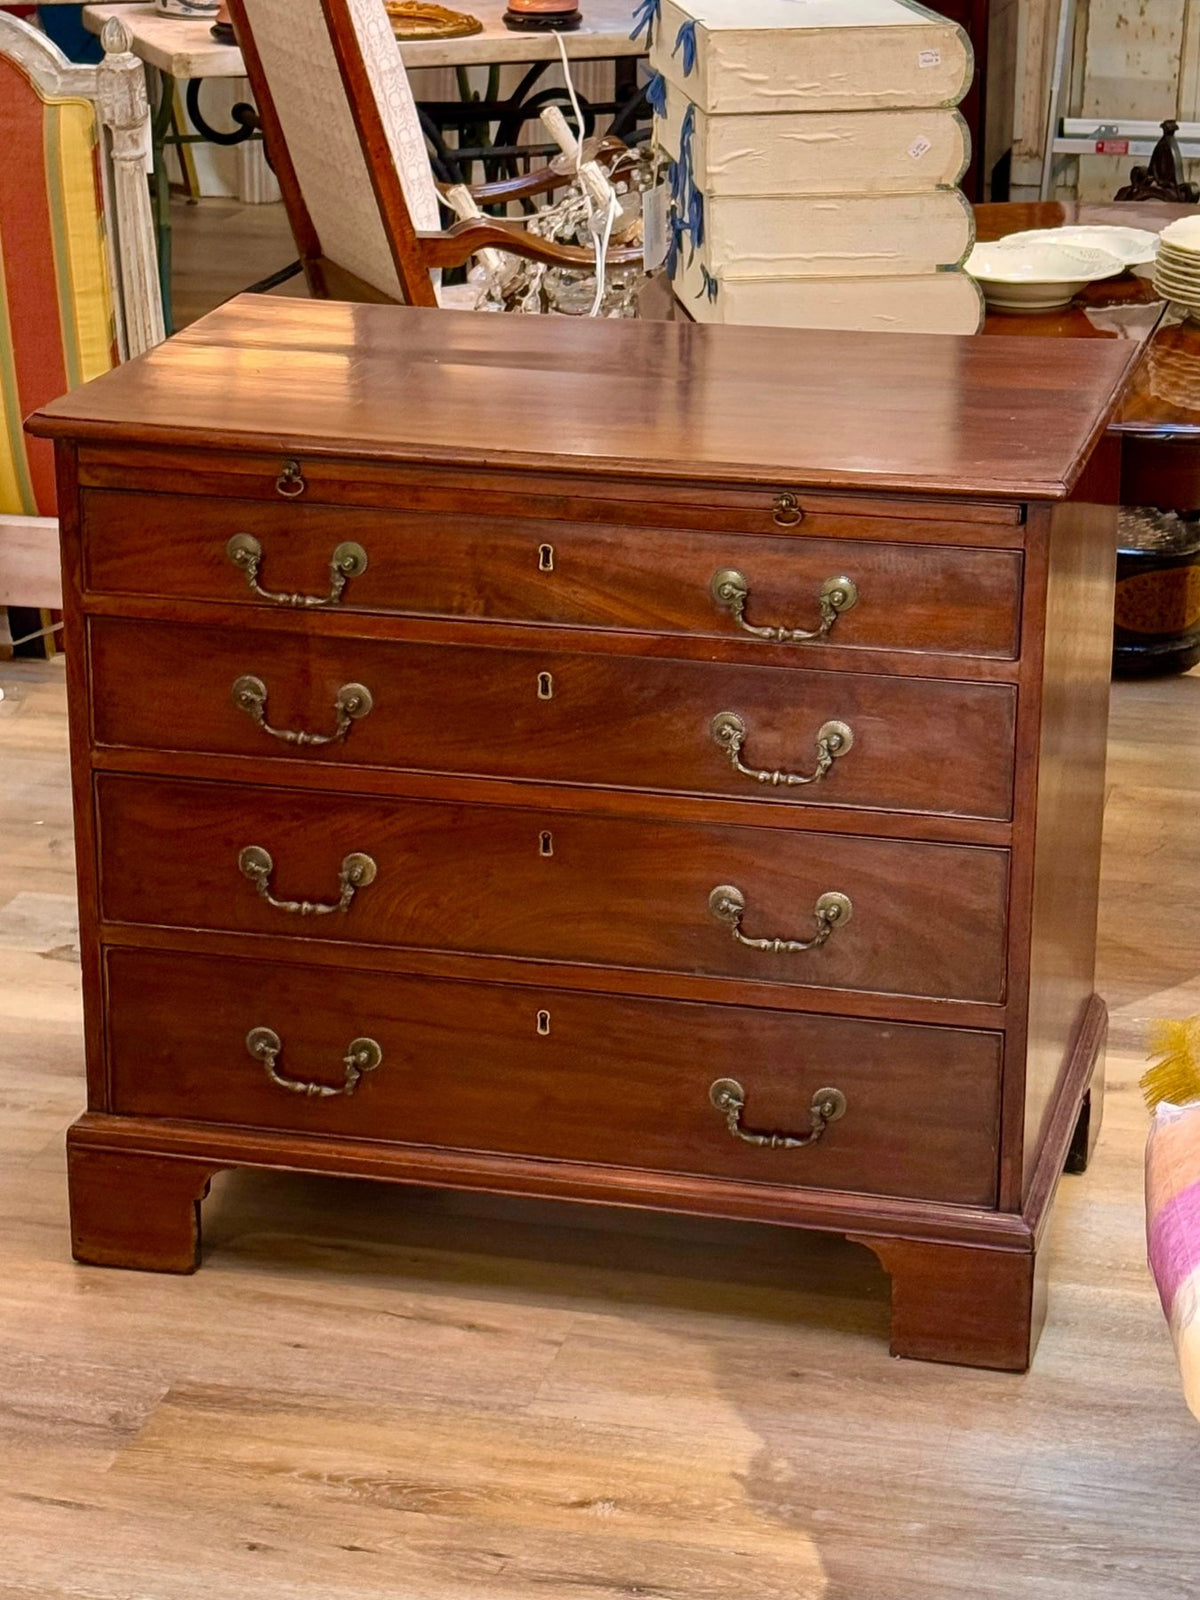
(372, 1394)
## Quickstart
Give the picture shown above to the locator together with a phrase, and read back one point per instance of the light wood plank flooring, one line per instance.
(372, 1392)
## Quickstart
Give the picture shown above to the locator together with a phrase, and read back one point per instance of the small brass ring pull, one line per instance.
(354, 700)
(358, 870)
(348, 561)
(828, 1105)
(834, 739)
(364, 1055)
(290, 482)
(787, 511)
(832, 910)
(731, 592)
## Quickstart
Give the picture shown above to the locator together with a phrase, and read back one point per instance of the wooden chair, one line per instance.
(78, 276)
(347, 146)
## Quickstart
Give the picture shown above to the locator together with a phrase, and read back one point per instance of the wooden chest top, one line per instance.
(935, 415)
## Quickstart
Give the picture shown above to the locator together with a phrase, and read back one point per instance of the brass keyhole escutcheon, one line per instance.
(543, 1023)
(546, 843)
(545, 558)
(545, 685)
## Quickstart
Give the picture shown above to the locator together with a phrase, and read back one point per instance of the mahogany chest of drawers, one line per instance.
(632, 763)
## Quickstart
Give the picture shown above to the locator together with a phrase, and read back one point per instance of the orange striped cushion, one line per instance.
(57, 328)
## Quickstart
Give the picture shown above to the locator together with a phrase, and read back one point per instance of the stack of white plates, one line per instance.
(1177, 265)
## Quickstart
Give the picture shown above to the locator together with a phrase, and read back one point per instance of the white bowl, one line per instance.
(1037, 275)
(1133, 246)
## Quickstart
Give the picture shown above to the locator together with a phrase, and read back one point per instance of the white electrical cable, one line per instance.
(602, 239)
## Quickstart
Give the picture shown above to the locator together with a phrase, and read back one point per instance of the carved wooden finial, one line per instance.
(116, 38)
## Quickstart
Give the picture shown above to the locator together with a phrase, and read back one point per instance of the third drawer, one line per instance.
(777, 905)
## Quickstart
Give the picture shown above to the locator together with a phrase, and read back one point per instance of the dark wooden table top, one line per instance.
(925, 414)
(1164, 392)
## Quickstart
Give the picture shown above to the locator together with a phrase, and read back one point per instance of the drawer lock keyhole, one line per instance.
(546, 843)
(545, 686)
(543, 1023)
(545, 558)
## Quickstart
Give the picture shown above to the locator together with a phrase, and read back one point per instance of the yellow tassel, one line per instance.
(1175, 1075)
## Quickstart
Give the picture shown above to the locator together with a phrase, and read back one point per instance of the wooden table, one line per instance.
(1157, 620)
(185, 50)
(1159, 419)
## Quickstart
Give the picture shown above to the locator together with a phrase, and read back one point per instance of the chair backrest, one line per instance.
(66, 311)
(345, 140)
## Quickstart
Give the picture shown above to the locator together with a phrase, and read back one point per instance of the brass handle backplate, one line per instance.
(832, 910)
(731, 592)
(348, 561)
(834, 739)
(828, 1105)
(353, 700)
(364, 1055)
(358, 870)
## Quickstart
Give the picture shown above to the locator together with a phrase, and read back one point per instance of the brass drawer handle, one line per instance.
(787, 510)
(358, 870)
(828, 1105)
(348, 561)
(834, 739)
(354, 700)
(364, 1055)
(290, 482)
(731, 592)
(832, 910)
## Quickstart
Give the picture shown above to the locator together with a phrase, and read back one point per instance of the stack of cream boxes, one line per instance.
(816, 153)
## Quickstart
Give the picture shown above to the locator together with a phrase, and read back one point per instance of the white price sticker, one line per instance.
(655, 204)
(920, 146)
(929, 58)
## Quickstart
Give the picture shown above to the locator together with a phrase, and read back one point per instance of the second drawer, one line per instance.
(774, 905)
(897, 744)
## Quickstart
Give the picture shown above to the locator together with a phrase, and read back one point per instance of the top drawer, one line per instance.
(866, 593)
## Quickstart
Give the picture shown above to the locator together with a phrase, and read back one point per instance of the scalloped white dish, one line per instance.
(1038, 275)
(1133, 246)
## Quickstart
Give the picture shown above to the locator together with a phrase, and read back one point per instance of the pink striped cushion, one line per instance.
(1173, 1232)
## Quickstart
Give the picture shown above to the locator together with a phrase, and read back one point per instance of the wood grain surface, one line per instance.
(377, 1391)
(552, 1073)
(557, 716)
(963, 416)
(657, 580)
(928, 920)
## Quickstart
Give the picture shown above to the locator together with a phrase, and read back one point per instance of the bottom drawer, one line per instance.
(554, 1074)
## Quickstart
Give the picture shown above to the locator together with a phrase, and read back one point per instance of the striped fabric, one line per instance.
(57, 326)
(1173, 1232)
